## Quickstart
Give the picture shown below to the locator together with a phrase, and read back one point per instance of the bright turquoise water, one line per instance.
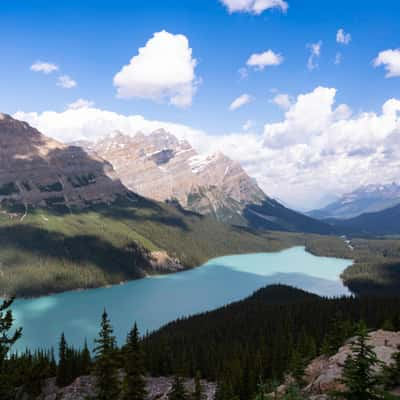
(155, 301)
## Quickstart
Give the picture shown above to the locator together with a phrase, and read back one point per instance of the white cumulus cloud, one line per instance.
(391, 60)
(164, 69)
(342, 37)
(66, 82)
(256, 7)
(266, 59)
(319, 148)
(44, 67)
(240, 102)
(315, 52)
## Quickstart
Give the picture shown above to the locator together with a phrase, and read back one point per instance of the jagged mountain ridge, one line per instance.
(38, 171)
(161, 167)
(366, 199)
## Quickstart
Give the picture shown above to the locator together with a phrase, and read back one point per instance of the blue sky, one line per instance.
(91, 40)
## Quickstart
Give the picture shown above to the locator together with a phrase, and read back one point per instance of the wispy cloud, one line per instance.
(44, 67)
(66, 82)
(342, 37)
(240, 102)
(315, 52)
(256, 7)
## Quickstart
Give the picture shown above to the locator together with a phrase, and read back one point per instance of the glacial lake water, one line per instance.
(154, 301)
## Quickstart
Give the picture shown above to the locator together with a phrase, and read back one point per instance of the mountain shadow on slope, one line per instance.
(271, 215)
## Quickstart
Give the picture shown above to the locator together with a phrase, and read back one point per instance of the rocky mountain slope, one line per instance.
(38, 171)
(366, 199)
(67, 222)
(161, 167)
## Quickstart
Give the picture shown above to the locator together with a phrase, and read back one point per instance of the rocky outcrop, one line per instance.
(161, 261)
(83, 388)
(38, 171)
(161, 167)
(323, 374)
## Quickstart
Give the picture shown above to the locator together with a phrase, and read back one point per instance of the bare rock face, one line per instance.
(161, 167)
(83, 388)
(323, 374)
(38, 171)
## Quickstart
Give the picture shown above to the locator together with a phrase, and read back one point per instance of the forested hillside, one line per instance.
(276, 331)
(48, 251)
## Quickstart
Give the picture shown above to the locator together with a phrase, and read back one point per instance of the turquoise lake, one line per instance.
(154, 301)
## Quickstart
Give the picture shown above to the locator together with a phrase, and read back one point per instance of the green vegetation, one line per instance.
(106, 368)
(359, 377)
(178, 390)
(134, 383)
(57, 249)
(53, 187)
(247, 347)
(275, 331)
(48, 251)
(8, 189)
(7, 339)
(376, 267)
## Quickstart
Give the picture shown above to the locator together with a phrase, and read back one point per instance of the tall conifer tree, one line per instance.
(7, 339)
(359, 377)
(106, 371)
(178, 390)
(61, 379)
(134, 383)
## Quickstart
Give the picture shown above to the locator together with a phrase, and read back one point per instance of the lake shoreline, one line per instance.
(161, 298)
(170, 272)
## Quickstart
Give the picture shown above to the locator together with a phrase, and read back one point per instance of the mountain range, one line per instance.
(365, 199)
(67, 221)
(369, 210)
(163, 168)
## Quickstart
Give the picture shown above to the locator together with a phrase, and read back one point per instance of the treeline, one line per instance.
(376, 267)
(276, 330)
(246, 347)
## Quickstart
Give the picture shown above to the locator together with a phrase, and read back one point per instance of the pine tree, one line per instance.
(178, 390)
(134, 383)
(358, 373)
(297, 367)
(224, 391)
(391, 373)
(293, 393)
(198, 393)
(262, 390)
(86, 361)
(61, 378)
(339, 330)
(6, 342)
(106, 372)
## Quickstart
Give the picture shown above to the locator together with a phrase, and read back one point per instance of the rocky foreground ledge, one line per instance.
(323, 375)
(83, 388)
